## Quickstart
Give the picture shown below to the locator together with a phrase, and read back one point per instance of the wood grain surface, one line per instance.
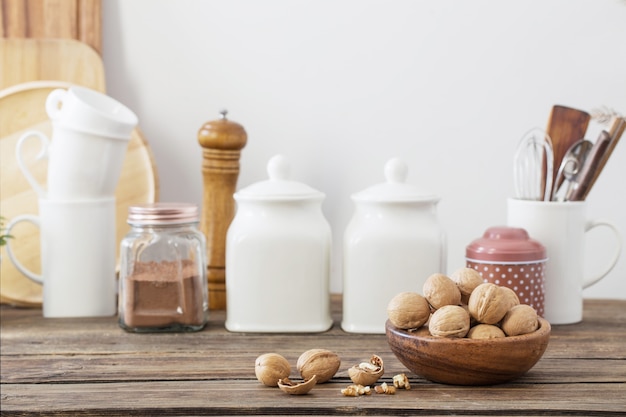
(211, 372)
(59, 19)
(24, 60)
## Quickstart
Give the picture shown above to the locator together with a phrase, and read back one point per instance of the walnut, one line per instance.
(271, 367)
(486, 304)
(467, 279)
(320, 362)
(440, 291)
(510, 297)
(449, 321)
(485, 331)
(408, 310)
(520, 319)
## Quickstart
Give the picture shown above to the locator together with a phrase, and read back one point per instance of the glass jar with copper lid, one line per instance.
(163, 285)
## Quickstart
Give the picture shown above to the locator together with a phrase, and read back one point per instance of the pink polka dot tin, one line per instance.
(507, 256)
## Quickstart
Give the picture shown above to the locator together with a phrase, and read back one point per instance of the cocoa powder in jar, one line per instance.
(164, 294)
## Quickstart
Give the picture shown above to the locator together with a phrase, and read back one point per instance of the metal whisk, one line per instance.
(534, 148)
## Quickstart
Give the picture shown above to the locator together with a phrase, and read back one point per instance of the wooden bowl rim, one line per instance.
(543, 331)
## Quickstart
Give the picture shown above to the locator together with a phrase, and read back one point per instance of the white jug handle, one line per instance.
(44, 153)
(23, 218)
(54, 103)
(595, 223)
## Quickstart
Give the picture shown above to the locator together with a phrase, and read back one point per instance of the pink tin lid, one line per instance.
(504, 244)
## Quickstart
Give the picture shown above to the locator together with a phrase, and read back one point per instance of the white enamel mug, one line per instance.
(561, 228)
(78, 262)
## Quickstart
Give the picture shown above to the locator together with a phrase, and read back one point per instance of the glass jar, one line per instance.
(162, 281)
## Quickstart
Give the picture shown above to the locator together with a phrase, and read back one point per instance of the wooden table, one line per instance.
(91, 366)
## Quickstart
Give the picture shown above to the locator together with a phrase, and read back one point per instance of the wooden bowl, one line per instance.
(468, 361)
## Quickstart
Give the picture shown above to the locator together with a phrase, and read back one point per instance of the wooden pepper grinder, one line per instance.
(222, 141)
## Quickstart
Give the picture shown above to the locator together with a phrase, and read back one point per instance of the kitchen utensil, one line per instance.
(534, 147)
(570, 166)
(583, 178)
(565, 126)
(22, 108)
(468, 361)
(616, 130)
(222, 141)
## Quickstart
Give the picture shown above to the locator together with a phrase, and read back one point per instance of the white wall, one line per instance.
(341, 86)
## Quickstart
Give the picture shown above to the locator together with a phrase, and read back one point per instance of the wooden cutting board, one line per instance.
(22, 109)
(23, 60)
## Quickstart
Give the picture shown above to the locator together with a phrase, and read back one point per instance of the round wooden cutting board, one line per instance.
(22, 108)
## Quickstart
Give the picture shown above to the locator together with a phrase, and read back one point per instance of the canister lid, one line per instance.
(162, 213)
(505, 244)
(279, 186)
(395, 189)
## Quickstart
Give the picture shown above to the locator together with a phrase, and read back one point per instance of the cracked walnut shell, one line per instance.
(297, 388)
(367, 373)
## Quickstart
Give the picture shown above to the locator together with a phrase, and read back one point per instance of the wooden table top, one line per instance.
(92, 367)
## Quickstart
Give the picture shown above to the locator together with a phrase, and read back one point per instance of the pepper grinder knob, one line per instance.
(221, 141)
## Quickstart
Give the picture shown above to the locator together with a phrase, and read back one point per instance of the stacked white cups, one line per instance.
(90, 135)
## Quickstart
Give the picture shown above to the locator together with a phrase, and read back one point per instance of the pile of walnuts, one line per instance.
(317, 366)
(463, 305)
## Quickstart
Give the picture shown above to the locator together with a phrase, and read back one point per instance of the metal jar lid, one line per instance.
(162, 213)
(504, 245)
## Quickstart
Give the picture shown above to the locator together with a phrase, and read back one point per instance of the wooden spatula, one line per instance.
(565, 126)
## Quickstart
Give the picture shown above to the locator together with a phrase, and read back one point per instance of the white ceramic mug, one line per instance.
(78, 262)
(90, 136)
(561, 228)
(89, 111)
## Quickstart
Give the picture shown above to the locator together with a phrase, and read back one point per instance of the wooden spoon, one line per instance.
(565, 126)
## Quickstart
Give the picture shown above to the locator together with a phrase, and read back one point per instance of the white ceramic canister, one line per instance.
(392, 244)
(278, 257)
